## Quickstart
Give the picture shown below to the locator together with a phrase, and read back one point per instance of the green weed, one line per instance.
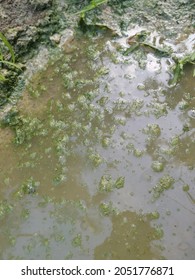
(179, 65)
(93, 4)
(3, 61)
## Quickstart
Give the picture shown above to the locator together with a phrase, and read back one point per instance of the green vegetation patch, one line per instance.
(93, 4)
(7, 56)
(179, 65)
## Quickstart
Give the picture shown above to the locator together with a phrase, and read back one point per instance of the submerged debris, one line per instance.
(179, 65)
(139, 40)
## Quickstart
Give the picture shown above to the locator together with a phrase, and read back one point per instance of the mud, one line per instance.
(21, 14)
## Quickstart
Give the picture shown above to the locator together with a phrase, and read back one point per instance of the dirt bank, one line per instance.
(29, 24)
(22, 13)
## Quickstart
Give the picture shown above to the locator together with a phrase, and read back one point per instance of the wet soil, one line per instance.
(21, 13)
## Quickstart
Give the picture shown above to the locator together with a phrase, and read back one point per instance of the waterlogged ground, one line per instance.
(97, 160)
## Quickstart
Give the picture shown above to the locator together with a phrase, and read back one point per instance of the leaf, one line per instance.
(2, 78)
(7, 44)
(177, 73)
(161, 51)
(10, 64)
(1, 55)
(189, 58)
(131, 49)
(91, 6)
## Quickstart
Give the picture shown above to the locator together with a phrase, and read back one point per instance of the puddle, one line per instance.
(103, 161)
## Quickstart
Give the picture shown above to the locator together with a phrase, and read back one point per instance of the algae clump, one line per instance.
(165, 183)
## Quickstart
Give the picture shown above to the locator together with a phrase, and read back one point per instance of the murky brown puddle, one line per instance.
(109, 170)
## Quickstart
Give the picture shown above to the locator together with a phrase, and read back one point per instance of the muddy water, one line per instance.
(99, 163)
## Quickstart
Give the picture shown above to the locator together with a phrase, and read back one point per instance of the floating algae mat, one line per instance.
(97, 159)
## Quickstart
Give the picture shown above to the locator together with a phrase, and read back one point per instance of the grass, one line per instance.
(93, 4)
(3, 61)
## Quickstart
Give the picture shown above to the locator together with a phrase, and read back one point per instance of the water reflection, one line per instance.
(131, 238)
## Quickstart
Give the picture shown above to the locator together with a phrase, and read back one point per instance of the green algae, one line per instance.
(107, 184)
(158, 109)
(107, 209)
(25, 127)
(165, 183)
(105, 142)
(159, 233)
(186, 188)
(154, 215)
(96, 159)
(5, 208)
(29, 187)
(175, 141)
(119, 182)
(153, 130)
(138, 153)
(157, 166)
(77, 241)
